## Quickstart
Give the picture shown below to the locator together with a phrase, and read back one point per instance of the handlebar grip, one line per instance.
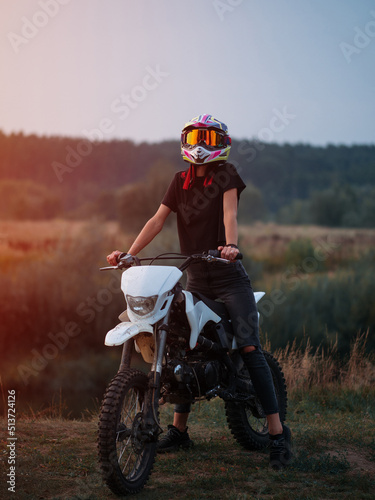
(120, 256)
(217, 254)
(214, 253)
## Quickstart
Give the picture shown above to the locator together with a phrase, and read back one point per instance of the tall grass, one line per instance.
(72, 388)
(50, 272)
(307, 367)
(321, 306)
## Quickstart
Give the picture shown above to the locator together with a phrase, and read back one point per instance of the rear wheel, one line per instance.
(125, 456)
(247, 420)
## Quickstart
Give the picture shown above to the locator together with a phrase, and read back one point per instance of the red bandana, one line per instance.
(190, 175)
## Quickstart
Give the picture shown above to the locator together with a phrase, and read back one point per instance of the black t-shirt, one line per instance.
(200, 209)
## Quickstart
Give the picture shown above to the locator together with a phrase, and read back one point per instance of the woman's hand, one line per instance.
(112, 258)
(229, 253)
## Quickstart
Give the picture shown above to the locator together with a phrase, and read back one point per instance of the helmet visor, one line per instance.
(208, 136)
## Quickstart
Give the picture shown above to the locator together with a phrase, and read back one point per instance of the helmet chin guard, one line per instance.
(205, 140)
(200, 154)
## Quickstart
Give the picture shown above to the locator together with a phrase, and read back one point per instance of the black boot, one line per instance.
(173, 440)
(281, 449)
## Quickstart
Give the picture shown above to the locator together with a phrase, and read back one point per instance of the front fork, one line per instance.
(151, 426)
(126, 356)
(150, 421)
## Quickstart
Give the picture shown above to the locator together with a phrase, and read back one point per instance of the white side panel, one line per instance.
(198, 315)
(258, 295)
(125, 331)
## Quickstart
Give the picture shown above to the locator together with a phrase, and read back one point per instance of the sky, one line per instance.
(273, 70)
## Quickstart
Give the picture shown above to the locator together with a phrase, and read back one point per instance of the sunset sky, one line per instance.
(278, 70)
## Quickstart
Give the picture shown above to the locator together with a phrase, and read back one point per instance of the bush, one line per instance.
(252, 207)
(298, 212)
(24, 199)
(138, 202)
(323, 307)
(301, 254)
(41, 295)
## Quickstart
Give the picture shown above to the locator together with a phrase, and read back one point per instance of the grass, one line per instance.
(305, 367)
(334, 458)
(332, 420)
(331, 400)
(265, 241)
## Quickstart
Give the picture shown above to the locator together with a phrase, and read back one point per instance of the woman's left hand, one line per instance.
(229, 253)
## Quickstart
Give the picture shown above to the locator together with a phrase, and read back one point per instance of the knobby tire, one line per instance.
(126, 461)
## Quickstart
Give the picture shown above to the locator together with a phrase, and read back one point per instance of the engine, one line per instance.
(195, 378)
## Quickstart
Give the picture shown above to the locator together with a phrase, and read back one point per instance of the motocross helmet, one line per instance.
(205, 140)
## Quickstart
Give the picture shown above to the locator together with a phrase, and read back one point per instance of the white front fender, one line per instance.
(125, 331)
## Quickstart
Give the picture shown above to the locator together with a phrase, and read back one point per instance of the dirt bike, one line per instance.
(188, 341)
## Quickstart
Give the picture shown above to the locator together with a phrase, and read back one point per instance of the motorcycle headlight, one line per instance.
(141, 305)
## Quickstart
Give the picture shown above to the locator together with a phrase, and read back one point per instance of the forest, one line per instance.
(78, 178)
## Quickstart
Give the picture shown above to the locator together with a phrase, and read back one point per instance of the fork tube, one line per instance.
(127, 351)
(151, 420)
(160, 341)
(158, 361)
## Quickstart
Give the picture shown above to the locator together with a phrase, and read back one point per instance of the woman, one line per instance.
(205, 198)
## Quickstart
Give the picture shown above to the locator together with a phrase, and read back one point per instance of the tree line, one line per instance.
(46, 177)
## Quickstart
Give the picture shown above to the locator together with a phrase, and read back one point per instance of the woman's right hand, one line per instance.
(112, 258)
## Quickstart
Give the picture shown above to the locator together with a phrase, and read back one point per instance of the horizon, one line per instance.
(139, 142)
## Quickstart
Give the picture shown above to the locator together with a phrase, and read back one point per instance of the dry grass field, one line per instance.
(271, 241)
(37, 239)
(38, 232)
(331, 399)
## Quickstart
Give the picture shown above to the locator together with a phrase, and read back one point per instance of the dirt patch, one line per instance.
(357, 460)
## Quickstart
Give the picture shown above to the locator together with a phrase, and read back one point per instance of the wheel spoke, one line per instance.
(127, 462)
(125, 459)
(129, 458)
(124, 446)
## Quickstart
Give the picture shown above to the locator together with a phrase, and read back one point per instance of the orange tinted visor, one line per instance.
(210, 137)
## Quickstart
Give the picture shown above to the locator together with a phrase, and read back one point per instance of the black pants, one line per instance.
(231, 284)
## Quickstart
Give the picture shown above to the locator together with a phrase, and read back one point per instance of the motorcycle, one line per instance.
(188, 341)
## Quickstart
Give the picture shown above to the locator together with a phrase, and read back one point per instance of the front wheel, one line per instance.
(126, 458)
(247, 420)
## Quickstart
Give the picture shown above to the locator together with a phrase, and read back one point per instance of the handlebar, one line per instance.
(126, 260)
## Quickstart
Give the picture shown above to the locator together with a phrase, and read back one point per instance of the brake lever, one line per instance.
(107, 268)
(120, 265)
(210, 258)
(125, 261)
